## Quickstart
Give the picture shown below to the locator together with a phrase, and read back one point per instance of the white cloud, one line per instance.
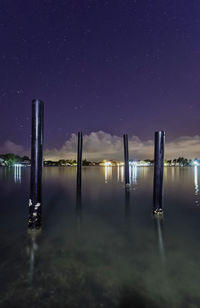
(100, 145)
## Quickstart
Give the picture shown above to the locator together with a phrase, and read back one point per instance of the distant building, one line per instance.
(26, 162)
(110, 163)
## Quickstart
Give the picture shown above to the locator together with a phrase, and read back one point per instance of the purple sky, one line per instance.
(113, 65)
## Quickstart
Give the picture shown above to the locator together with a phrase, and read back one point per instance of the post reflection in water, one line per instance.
(78, 207)
(108, 173)
(196, 185)
(17, 173)
(31, 251)
(158, 221)
(127, 203)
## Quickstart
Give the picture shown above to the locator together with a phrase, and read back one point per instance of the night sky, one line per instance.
(119, 66)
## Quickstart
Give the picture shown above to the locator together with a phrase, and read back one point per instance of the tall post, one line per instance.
(79, 157)
(158, 172)
(35, 200)
(126, 159)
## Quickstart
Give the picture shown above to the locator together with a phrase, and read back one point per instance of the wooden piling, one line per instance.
(35, 201)
(79, 158)
(126, 159)
(158, 172)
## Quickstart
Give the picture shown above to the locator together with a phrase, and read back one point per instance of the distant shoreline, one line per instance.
(25, 166)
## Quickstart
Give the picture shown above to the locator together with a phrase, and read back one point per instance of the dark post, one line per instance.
(35, 200)
(79, 180)
(158, 172)
(79, 157)
(126, 159)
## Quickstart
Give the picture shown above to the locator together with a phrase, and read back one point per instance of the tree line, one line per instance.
(11, 159)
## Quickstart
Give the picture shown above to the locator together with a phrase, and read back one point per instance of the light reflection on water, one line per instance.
(120, 173)
(108, 173)
(101, 239)
(17, 174)
(196, 185)
(133, 174)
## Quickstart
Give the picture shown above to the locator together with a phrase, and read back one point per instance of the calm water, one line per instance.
(106, 249)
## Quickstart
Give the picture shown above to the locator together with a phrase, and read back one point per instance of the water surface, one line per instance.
(103, 248)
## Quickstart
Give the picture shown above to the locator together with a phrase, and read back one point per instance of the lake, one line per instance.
(104, 248)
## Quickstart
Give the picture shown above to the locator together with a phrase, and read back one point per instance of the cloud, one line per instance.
(11, 147)
(184, 146)
(101, 145)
